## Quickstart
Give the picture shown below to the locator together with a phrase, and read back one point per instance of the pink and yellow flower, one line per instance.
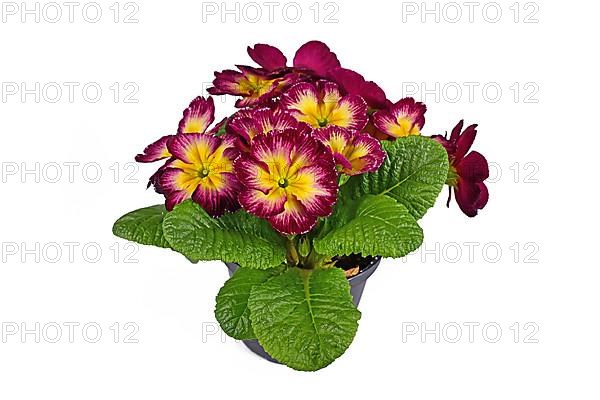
(196, 119)
(247, 124)
(354, 152)
(255, 86)
(289, 179)
(199, 165)
(402, 119)
(201, 169)
(321, 104)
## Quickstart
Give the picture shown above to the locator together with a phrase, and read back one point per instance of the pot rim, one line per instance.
(364, 274)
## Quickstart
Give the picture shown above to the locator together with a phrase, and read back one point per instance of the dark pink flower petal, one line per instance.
(174, 198)
(365, 154)
(372, 130)
(473, 167)
(448, 145)
(154, 180)
(465, 141)
(268, 57)
(226, 82)
(342, 162)
(316, 57)
(322, 178)
(249, 123)
(352, 82)
(174, 193)
(467, 196)
(471, 196)
(244, 127)
(216, 201)
(483, 196)
(268, 120)
(155, 151)
(456, 131)
(190, 147)
(351, 113)
(198, 116)
(255, 174)
(295, 219)
(262, 204)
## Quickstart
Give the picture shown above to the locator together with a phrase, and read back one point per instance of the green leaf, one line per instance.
(413, 174)
(143, 226)
(222, 129)
(373, 225)
(232, 310)
(304, 318)
(237, 237)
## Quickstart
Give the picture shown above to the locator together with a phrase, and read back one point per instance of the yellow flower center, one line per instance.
(320, 113)
(405, 127)
(205, 168)
(254, 85)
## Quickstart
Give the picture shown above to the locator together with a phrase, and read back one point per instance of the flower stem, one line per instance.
(292, 252)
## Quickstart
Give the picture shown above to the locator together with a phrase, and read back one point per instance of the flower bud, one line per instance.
(304, 246)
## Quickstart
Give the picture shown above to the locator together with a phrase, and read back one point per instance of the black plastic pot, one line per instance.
(357, 285)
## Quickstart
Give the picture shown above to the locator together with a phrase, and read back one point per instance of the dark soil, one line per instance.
(353, 260)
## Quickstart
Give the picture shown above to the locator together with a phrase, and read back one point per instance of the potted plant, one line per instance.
(300, 192)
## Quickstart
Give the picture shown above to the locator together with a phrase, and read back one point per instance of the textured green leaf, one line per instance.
(413, 174)
(232, 310)
(304, 318)
(373, 225)
(237, 237)
(143, 226)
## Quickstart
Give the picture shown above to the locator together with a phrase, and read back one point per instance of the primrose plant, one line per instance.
(315, 175)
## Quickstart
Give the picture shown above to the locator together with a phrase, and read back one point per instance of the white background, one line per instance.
(543, 219)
